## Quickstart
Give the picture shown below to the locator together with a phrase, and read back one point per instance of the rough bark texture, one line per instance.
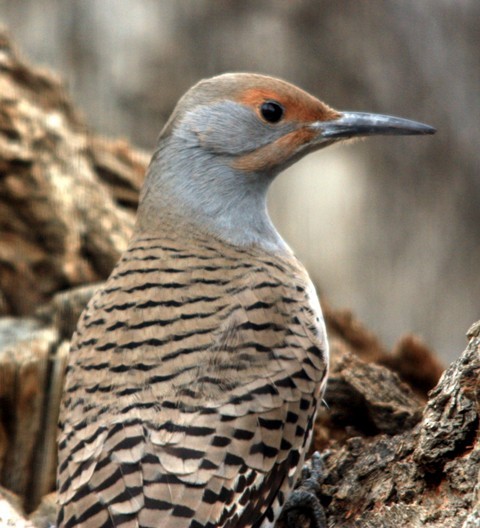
(66, 197)
(403, 467)
(392, 454)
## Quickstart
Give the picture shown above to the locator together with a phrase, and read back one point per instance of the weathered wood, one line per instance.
(65, 308)
(66, 197)
(45, 460)
(24, 365)
(424, 476)
(411, 359)
(368, 398)
(415, 363)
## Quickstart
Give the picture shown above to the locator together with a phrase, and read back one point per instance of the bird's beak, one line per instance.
(360, 124)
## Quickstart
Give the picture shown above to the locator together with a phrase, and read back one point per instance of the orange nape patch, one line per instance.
(276, 153)
(299, 106)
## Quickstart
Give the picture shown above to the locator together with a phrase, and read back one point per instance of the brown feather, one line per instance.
(187, 378)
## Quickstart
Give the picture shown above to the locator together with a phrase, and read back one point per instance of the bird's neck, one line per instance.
(192, 189)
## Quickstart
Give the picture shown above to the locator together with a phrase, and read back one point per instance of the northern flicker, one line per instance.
(196, 370)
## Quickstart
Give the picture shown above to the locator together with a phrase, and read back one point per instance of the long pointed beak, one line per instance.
(359, 124)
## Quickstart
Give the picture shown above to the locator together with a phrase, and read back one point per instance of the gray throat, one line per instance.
(191, 188)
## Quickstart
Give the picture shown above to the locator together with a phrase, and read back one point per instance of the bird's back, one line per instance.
(192, 387)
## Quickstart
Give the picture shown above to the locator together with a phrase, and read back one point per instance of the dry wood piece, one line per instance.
(343, 324)
(45, 460)
(66, 198)
(120, 167)
(415, 363)
(451, 418)
(369, 398)
(65, 308)
(411, 359)
(425, 476)
(24, 365)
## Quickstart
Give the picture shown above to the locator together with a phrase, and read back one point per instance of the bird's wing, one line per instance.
(222, 447)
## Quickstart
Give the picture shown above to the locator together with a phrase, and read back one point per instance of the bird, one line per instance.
(197, 369)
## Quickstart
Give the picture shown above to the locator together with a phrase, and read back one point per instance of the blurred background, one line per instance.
(388, 227)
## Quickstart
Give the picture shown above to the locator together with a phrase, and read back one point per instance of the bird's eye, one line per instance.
(271, 111)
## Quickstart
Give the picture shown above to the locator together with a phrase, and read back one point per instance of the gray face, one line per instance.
(228, 128)
(192, 178)
(218, 154)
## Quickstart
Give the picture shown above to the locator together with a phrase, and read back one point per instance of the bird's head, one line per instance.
(230, 135)
(260, 124)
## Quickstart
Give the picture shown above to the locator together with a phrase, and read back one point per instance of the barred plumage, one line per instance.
(196, 370)
(193, 401)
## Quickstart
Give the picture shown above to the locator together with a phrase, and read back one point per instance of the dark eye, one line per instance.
(271, 111)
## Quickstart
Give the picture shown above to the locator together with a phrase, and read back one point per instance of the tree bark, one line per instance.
(403, 466)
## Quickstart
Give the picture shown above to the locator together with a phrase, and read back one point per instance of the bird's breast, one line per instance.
(189, 320)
